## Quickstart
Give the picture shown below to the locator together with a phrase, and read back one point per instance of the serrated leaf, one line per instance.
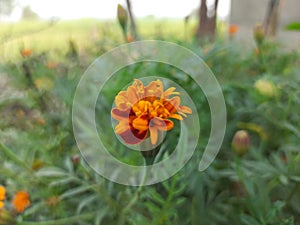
(84, 202)
(75, 191)
(62, 181)
(51, 172)
(100, 216)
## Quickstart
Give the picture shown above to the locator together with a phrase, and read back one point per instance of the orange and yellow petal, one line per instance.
(122, 127)
(153, 134)
(1, 205)
(21, 201)
(176, 116)
(155, 88)
(162, 124)
(119, 114)
(140, 123)
(2, 193)
(185, 109)
(169, 92)
(133, 136)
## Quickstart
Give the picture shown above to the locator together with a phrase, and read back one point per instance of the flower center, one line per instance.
(151, 107)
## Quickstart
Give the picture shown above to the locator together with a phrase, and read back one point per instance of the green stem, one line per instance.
(68, 220)
(136, 194)
(13, 157)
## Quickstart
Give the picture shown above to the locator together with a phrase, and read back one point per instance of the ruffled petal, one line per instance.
(122, 127)
(120, 115)
(185, 109)
(176, 116)
(162, 124)
(155, 88)
(140, 123)
(133, 137)
(170, 91)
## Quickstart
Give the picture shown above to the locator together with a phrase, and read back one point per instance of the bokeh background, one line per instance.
(252, 47)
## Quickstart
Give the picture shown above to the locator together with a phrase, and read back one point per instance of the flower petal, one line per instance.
(133, 137)
(120, 115)
(122, 127)
(185, 109)
(169, 92)
(1, 205)
(2, 193)
(162, 124)
(176, 116)
(153, 134)
(140, 123)
(155, 88)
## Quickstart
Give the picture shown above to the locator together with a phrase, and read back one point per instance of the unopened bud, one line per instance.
(241, 142)
(75, 159)
(266, 88)
(122, 17)
(259, 34)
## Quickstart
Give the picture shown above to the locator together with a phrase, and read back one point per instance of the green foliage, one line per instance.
(38, 152)
(293, 26)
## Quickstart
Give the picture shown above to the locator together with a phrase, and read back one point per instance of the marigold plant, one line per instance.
(143, 110)
(21, 201)
(2, 196)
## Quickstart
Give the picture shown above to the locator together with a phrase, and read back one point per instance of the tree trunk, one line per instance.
(271, 19)
(133, 28)
(207, 25)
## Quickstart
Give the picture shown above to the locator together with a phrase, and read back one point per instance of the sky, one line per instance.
(105, 9)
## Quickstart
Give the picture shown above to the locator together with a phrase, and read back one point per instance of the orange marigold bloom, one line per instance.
(21, 201)
(26, 52)
(2, 196)
(140, 109)
(233, 29)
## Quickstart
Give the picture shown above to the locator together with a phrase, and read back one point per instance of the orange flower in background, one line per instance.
(129, 38)
(21, 201)
(26, 52)
(141, 110)
(51, 65)
(233, 29)
(2, 196)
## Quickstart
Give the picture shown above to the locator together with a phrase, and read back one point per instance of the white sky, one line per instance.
(72, 9)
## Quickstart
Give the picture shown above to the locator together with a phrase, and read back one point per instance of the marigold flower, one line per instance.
(129, 38)
(233, 29)
(51, 65)
(26, 52)
(21, 201)
(2, 196)
(141, 109)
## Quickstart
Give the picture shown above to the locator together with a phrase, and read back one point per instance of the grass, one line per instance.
(53, 37)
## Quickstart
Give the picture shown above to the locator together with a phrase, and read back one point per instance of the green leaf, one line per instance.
(51, 172)
(293, 26)
(84, 202)
(76, 191)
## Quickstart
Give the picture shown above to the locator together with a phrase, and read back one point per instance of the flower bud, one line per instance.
(75, 159)
(122, 17)
(259, 34)
(241, 142)
(265, 88)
